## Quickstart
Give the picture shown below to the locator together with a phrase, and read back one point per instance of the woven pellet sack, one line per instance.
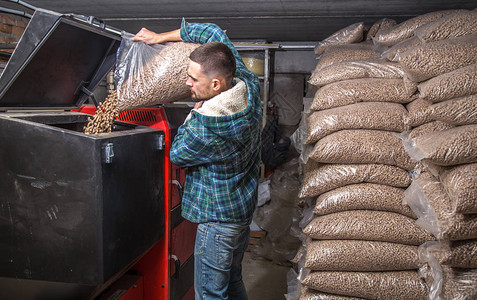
(362, 146)
(446, 148)
(406, 29)
(435, 58)
(379, 26)
(460, 183)
(455, 84)
(353, 33)
(340, 53)
(453, 25)
(363, 196)
(354, 69)
(327, 177)
(310, 294)
(458, 111)
(358, 255)
(365, 115)
(418, 112)
(393, 285)
(347, 92)
(367, 225)
(394, 52)
(156, 79)
(430, 127)
(459, 254)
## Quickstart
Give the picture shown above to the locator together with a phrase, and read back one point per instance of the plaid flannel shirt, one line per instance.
(222, 153)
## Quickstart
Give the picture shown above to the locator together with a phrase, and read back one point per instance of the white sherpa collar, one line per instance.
(229, 102)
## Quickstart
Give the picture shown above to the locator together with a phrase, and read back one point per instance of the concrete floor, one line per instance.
(263, 279)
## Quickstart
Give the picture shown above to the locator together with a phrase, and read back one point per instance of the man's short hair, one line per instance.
(215, 58)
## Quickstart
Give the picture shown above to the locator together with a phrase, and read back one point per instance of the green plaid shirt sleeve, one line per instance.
(222, 153)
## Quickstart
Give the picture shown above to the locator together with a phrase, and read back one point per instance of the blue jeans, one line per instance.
(219, 250)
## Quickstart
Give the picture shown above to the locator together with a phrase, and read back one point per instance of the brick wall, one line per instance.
(11, 29)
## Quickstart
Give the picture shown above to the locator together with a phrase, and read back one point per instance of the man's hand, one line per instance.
(150, 37)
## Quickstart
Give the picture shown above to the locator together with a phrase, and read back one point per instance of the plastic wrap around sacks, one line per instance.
(146, 75)
(463, 22)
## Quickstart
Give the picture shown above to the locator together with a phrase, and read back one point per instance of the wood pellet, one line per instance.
(353, 33)
(459, 254)
(358, 255)
(365, 68)
(406, 29)
(104, 117)
(393, 285)
(435, 58)
(458, 111)
(453, 25)
(362, 146)
(361, 90)
(331, 176)
(459, 283)
(363, 196)
(455, 84)
(367, 225)
(160, 80)
(460, 182)
(365, 115)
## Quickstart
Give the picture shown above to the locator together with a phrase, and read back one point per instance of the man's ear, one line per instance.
(216, 84)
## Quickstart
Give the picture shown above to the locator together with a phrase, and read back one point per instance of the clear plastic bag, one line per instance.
(350, 34)
(324, 178)
(429, 128)
(146, 75)
(431, 59)
(460, 182)
(354, 69)
(445, 148)
(394, 285)
(359, 255)
(340, 53)
(366, 115)
(455, 84)
(347, 92)
(356, 146)
(406, 29)
(310, 294)
(419, 112)
(429, 201)
(368, 225)
(363, 196)
(460, 23)
(379, 26)
(393, 52)
(458, 111)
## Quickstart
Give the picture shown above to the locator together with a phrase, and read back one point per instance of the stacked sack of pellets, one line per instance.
(438, 53)
(362, 240)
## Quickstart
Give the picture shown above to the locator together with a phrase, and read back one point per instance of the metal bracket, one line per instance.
(89, 94)
(108, 153)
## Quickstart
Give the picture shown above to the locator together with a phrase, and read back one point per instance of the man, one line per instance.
(220, 144)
